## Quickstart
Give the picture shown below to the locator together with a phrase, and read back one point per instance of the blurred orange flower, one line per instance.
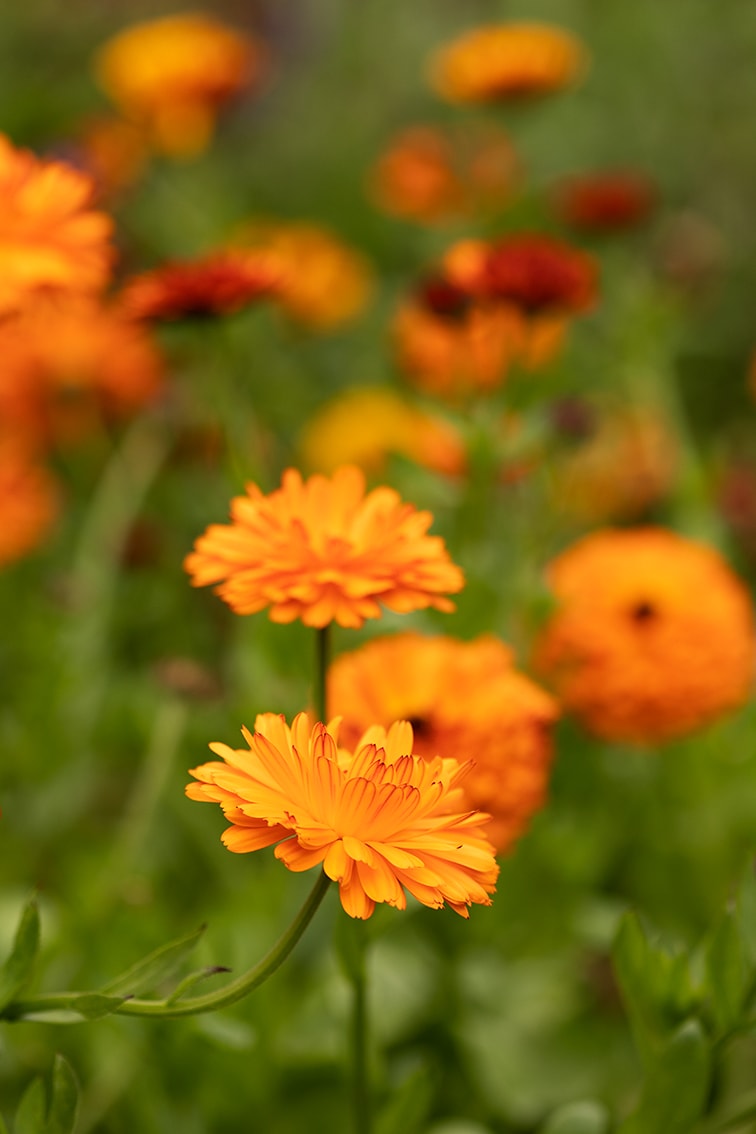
(427, 175)
(382, 821)
(607, 201)
(501, 62)
(323, 551)
(113, 151)
(51, 240)
(364, 426)
(322, 281)
(653, 635)
(69, 364)
(172, 76)
(218, 284)
(464, 699)
(29, 502)
(538, 274)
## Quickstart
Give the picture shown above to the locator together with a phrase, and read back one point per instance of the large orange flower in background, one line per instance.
(652, 637)
(501, 62)
(381, 820)
(463, 699)
(172, 76)
(325, 551)
(51, 239)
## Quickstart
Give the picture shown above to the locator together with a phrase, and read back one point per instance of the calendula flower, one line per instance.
(427, 175)
(502, 62)
(381, 821)
(325, 551)
(29, 502)
(172, 76)
(322, 281)
(652, 637)
(218, 284)
(51, 239)
(605, 202)
(71, 363)
(364, 426)
(464, 699)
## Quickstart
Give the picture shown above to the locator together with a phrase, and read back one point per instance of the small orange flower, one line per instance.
(323, 551)
(653, 635)
(218, 284)
(70, 362)
(29, 502)
(464, 699)
(172, 75)
(605, 201)
(382, 821)
(507, 61)
(51, 240)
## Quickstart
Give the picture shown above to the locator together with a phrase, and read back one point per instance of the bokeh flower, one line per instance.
(652, 636)
(51, 239)
(29, 501)
(605, 202)
(218, 284)
(465, 700)
(113, 151)
(71, 363)
(172, 75)
(502, 62)
(382, 821)
(323, 550)
(366, 425)
(538, 274)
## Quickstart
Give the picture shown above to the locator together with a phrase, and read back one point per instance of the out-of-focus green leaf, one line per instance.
(746, 912)
(578, 1118)
(407, 1109)
(726, 972)
(61, 1117)
(193, 979)
(677, 1085)
(31, 1116)
(17, 970)
(152, 970)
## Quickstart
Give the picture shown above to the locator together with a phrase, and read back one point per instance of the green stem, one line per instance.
(322, 658)
(359, 1037)
(192, 1006)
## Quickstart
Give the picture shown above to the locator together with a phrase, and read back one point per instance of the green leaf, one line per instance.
(676, 1090)
(407, 1109)
(95, 1005)
(578, 1118)
(189, 983)
(17, 970)
(152, 970)
(64, 1101)
(3, 1127)
(726, 971)
(31, 1116)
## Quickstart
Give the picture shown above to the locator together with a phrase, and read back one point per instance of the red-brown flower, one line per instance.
(537, 274)
(605, 201)
(219, 284)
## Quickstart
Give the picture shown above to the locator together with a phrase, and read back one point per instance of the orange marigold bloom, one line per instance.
(464, 699)
(29, 502)
(219, 284)
(605, 201)
(323, 551)
(507, 61)
(172, 75)
(51, 240)
(428, 176)
(653, 635)
(382, 821)
(70, 362)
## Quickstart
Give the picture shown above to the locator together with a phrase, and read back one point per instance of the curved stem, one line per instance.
(192, 1006)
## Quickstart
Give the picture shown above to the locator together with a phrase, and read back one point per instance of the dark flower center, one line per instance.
(643, 611)
(421, 727)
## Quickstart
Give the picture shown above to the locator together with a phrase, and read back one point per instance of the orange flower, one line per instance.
(173, 74)
(218, 284)
(29, 502)
(464, 699)
(429, 176)
(605, 201)
(50, 238)
(323, 551)
(365, 426)
(69, 363)
(507, 61)
(322, 281)
(381, 821)
(653, 635)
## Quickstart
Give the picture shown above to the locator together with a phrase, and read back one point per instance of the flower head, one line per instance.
(51, 240)
(502, 62)
(323, 550)
(172, 75)
(382, 821)
(465, 699)
(604, 202)
(218, 284)
(538, 274)
(653, 635)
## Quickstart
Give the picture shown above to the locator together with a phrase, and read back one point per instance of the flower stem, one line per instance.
(359, 1045)
(322, 659)
(191, 1006)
